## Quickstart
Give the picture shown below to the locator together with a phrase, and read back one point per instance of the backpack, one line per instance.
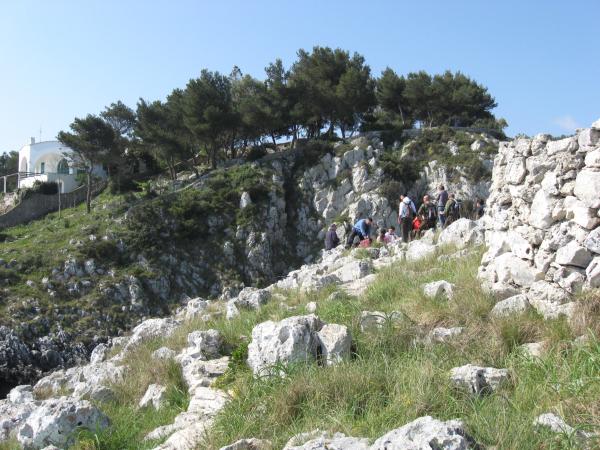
(431, 212)
(455, 210)
(411, 213)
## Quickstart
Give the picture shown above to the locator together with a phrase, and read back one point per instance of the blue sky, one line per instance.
(60, 59)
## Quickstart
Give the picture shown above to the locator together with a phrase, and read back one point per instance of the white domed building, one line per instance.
(49, 161)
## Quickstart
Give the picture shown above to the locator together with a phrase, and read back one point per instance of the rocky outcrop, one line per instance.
(542, 221)
(424, 433)
(297, 339)
(54, 421)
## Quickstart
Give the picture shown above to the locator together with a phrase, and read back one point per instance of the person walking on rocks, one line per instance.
(406, 213)
(441, 200)
(452, 210)
(362, 229)
(428, 213)
(331, 238)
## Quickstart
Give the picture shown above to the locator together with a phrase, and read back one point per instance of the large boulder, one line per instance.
(417, 250)
(354, 270)
(335, 341)
(573, 254)
(462, 232)
(587, 186)
(517, 304)
(426, 433)
(152, 329)
(510, 269)
(54, 422)
(296, 339)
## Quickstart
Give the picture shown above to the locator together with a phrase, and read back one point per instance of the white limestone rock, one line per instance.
(562, 145)
(151, 329)
(418, 250)
(587, 186)
(163, 353)
(426, 433)
(515, 171)
(354, 270)
(462, 233)
(557, 425)
(573, 254)
(592, 241)
(509, 269)
(99, 353)
(289, 341)
(20, 394)
(517, 304)
(533, 349)
(317, 440)
(437, 289)
(335, 343)
(311, 307)
(478, 380)
(155, 396)
(588, 137)
(54, 422)
(252, 298)
(540, 215)
(245, 200)
(372, 320)
(195, 308)
(249, 444)
(592, 159)
(231, 311)
(442, 335)
(592, 274)
(207, 342)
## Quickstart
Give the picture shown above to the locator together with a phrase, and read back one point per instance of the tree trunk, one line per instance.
(88, 197)
(213, 156)
(274, 141)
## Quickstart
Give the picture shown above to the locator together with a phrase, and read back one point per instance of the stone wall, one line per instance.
(37, 205)
(542, 220)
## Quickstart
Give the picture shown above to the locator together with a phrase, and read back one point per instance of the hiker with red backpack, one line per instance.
(417, 226)
(406, 214)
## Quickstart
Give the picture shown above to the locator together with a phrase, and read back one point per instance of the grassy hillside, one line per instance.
(391, 378)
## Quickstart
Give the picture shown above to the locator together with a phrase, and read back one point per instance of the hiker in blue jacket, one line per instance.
(362, 229)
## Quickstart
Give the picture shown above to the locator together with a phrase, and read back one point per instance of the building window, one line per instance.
(43, 167)
(63, 166)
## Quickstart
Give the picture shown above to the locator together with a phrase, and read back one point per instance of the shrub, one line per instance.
(100, 250)
(256, 152)
(44, 188)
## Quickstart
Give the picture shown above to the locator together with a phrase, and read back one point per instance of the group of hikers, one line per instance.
(412, 221)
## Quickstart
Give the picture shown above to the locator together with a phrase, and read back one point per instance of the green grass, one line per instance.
(42, 245)
(391, 380)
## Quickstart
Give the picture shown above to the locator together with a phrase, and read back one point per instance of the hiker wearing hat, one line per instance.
(406, 213)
